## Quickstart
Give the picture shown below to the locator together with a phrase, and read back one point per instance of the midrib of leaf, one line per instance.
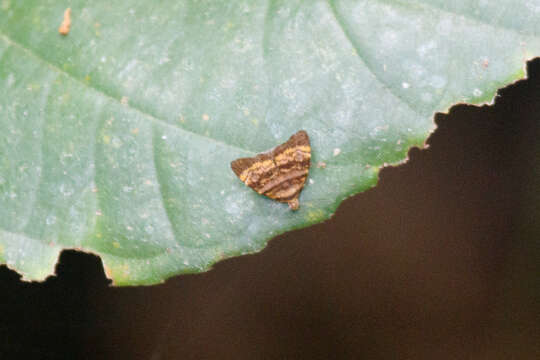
(270, 4)
(102, 93)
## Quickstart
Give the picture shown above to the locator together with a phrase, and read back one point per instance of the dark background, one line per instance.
(440, 261)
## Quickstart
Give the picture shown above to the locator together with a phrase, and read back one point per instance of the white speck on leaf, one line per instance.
(388, 39)
(10, 79)
(164, 60)
(66, 190)
(237, 204)
(149, 229)
(427, 97)
(437, 81)
(337, 151)
(116, 142)
(426, 48)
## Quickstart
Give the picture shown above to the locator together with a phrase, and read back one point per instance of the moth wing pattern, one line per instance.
(279, 173)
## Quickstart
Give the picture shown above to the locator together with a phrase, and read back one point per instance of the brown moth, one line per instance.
(279, 173)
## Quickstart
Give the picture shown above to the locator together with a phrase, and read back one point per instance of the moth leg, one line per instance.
(293, 204)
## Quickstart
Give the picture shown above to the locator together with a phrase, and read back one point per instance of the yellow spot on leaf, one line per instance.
(96, 28)
(125, 268)
(119, 273)
(64, 98)
(315, 215)
(106, 139)
(116, 244)
(108, 272)
(32, 87)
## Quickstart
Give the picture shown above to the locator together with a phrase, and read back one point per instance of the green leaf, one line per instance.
(117, 138)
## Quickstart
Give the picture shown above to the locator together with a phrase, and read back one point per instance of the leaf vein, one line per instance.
(476, 20)
(116, 100)
(160, 184)
(356, 46)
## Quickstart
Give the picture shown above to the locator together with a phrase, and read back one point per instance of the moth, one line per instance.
(279, 173)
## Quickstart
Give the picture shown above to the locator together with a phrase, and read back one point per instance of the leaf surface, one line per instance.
(117, 138)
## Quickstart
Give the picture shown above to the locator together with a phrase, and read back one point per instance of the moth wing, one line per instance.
(280, 173)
